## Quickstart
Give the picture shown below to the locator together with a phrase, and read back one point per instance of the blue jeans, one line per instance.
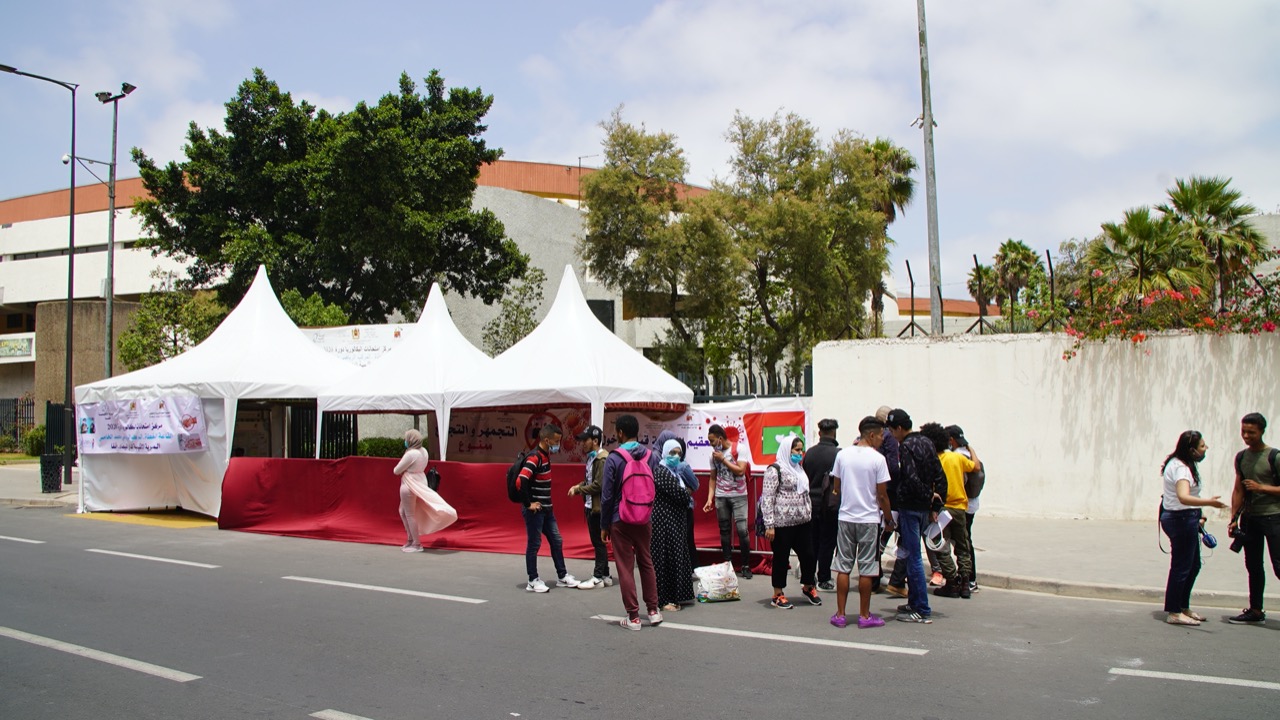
(537, 524)
(1183, 529)
(911, 525)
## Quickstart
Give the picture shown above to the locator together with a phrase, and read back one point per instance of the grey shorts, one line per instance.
(857, 541)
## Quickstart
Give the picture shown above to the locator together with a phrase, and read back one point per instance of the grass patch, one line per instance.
(17, 458)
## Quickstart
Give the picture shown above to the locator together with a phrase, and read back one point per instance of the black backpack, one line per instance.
(515, 493)
(828, 500)
(975, 481)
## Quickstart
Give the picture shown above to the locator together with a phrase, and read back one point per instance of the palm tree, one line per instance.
(892, 168)
(1144, 253)
(984, 286)
(1015, 264)
(1207, 211)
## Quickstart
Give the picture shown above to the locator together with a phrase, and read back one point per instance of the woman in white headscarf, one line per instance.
(787, 511)
(422, 510)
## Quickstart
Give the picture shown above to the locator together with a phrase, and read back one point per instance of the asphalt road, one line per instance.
(266, 634)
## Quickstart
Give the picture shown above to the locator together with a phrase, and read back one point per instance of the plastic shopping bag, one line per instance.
(717, 583)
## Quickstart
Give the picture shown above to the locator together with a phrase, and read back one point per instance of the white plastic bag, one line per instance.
(717, 583)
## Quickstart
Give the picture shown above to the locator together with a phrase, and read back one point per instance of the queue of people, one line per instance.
(835, 508)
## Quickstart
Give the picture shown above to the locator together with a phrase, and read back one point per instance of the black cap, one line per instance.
(898, 418)
(591, 433)
(827, 425)
(955, 431)
(870, 422)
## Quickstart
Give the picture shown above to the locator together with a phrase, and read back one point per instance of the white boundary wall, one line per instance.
(1064, 439)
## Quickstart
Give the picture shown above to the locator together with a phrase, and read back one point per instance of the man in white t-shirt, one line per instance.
(860, 473)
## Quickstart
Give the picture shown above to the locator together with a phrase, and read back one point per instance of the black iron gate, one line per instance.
(338, 433)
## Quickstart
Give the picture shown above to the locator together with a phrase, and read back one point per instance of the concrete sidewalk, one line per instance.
(1108, 559)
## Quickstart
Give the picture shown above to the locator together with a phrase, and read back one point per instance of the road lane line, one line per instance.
(1210, 679)
(379, 588)
(782, 638)
(153, 558)
(21, 540)
(100, 656)
(337, 715)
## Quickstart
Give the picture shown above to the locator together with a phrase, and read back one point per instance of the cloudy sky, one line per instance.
(1053, 116)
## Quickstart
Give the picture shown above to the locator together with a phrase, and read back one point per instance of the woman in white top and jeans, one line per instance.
(1181, 520)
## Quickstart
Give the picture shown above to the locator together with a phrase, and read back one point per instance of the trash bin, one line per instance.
(50, 473)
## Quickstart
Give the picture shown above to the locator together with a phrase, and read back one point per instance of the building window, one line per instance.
(603, 310)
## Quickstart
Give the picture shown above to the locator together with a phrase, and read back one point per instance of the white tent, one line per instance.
(256, 353)
(415, 376)
(570, 357)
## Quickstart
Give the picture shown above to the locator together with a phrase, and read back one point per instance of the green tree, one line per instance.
(892, 166)
(1016, 266)
(311, 311)
(516, 316)
(1209, 213)
(1143, 253)
(365, 209)
(168, 322)
(984, 286)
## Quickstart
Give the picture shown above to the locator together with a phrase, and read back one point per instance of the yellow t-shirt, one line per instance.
(954, 466)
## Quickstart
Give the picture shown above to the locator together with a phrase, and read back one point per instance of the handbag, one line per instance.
(433, 479)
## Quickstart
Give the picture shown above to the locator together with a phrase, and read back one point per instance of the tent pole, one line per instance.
(319, 425)
(442, 431)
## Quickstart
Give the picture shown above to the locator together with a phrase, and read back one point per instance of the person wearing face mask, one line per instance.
(684, 473)
(727, 494)
(667, 544)
(592, 440)
(1181, 520)
(422, 510)
(539, 518)
(787, 511)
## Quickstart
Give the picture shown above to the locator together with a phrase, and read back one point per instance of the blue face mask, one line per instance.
(796, 458)
(554, 449)
(406, 443)
(671, 461)
(592, 456)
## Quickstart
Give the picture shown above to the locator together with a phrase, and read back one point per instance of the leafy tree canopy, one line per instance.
(517, 316)
(169, 322)
(364, 209)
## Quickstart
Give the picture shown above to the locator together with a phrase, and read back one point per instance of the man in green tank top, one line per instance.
(1255, 507)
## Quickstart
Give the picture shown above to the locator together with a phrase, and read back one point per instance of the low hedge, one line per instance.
(380, 447)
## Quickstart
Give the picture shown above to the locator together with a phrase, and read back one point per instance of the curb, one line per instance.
(1101, 591)
(37, 502)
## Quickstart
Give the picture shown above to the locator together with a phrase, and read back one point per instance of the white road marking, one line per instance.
(22, 540)
(149, 557)
(1212, 680)
(379, 588)
(337, 715)
(782, 638)
(100, 656)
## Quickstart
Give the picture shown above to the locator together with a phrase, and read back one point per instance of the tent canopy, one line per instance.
(570, 358)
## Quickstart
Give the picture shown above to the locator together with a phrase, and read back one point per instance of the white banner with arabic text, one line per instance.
(157, 426)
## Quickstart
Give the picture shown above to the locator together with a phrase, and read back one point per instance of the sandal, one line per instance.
(1180, 619)
(671, 607)
(1193, 615)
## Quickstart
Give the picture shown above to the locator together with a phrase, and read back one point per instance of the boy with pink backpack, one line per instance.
(627, 503)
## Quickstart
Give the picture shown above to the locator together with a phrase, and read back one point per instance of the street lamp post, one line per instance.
(110, 341)
(69, 408)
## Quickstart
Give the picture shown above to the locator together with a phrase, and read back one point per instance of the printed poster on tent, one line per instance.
(159, 426)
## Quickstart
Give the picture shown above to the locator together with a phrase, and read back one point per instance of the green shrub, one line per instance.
(380, 447)
(33, 441)
(9, 445)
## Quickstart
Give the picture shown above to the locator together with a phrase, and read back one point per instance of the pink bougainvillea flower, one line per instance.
(1269, 326)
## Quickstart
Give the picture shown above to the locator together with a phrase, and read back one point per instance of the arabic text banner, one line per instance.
(156, 426)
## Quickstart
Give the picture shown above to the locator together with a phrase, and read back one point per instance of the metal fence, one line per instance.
(739, 386)
(339, 433)
(17, 416)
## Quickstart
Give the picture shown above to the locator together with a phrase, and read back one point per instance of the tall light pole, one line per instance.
(930, 186)
(110, 340)
(69, 408)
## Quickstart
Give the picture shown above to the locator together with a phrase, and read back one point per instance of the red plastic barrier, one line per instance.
(356, 499)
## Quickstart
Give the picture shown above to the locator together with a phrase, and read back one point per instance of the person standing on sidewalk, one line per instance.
(787, 512)
(954, 466)
(955, 434)
(818, 462)
(539, 517)
(922, 487)
(1255, 509)
(630, 540)
(592, 440)
(1181, 520)
(728, 495)
(862, 476)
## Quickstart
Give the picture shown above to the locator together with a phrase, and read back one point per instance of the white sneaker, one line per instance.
(655, 618)
(630, 624)
(608, 580)
(536, 585)
(591, 584)
(567, 581)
